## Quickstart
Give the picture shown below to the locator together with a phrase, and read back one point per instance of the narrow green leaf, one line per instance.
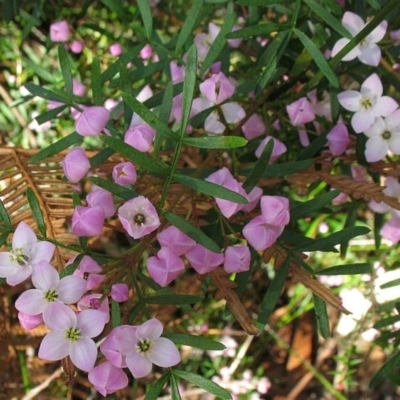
(273, 293)
(45, 93)
(97, 85)
(70, 268)
(209, 188)
(393, 283)
(322, 316)
(174, 388)
(193, 232)
(65, 68)
(314, 147)
(257, 30)
(189, 24)
(145, 12)
(4, 215)
(156, 387)
(348, 269)
(262, 3)
(189, 85)
(326, 244)
(388, 321)
(137, 157)
(204, 383)
(198, 342)
(36, 211)
(101, 157)
(318, 57)
(3, 240)
(51, 114)
(215, 142)
(176, 299)
(57, 147)
(389, 366)
(327, 16)
(114, 188)
(115, 314)
(288, 168)
(259, 167)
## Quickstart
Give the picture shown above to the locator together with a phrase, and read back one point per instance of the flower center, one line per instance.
(367, 102)
(139, 219)
(19, 257)
(145, 346)
(51, 296)
(386, 135)
(73, 334)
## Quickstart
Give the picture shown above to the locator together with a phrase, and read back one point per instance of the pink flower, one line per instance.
(115, 49)
(217, 88)
(392, 189)
(88, 221)
(165, 267)
(59, 31)
(139, 217)
(76, 164)
(391, 230)
(103, 199)
(203, 260)
(253, 127)
(237, 259)
(232, 112)
(383, 136)
(17, 265)
(177, 72)
(71, 335)
(149, 348)
(140, 137)
(90, 271)
(338, 139)
(78, 88)
(300, 112)
(124, 174)
(367, 104)
(261, 235)
(49, 288)
(92, 121)
(76, 47)
(367, 51)
(107, 379)
(253, 197)
(95, 301)
(29, 322)
(146, 52)
(119, 292)
(278, 149)
(175, 240)
(275, 210)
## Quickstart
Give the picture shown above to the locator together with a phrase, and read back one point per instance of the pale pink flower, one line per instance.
(275, 210)
(107, 379)
(176, 240)
(237, 259)
(76, 47)
(95, 301)
(392, 189)
(140, 137)
(177, 72)
(59, 32)
(87, 221)
(367, 104)
(261, 235)
(217, 88)
(146, 52)
(253, 127)
(71, 335)
(367, 51)
(49, 288)
(102, 198)
(139, 217)
(253, 198)
(119, 292)
(338, 139)
(29, 322)
(391, 230)
(17, 265)
(278, 149)
(78, 88)
(213, 125)
(76, 164)
(232, 112)
(115, 49)
(165, 267)
(203, 260)
(300, 112)
(89, 270)
(124, 173)
(92, 121)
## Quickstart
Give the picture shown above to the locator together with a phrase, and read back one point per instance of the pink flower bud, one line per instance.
(217, 88)
(90, 271)
(253, 197)
(338, 139)
(177, 72)
(175, 240)
(140, 137)
(203, 260)
(124, 174)
(78, 88)
(261, 235)
(275, 210)
(237, 259)
(115, 49)
(59, 31)
(146, 52)
(300, 112)
(29, 322)
(253, 127)
(92, 121)
(120, 292)
(76, 47)
(102, 198)
(87, 221)
(165, 267)
(76, 164)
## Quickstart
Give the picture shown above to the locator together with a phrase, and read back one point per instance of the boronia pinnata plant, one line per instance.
(197, 145)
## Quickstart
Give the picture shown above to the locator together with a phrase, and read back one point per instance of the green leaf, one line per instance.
(189, 85)
(44, 93)
(263, 3)
(145, 161)
(348, 269)
(203, 383)
(303, 209)
(3, 240)
(273, 293)
(322, 316)
(393, 283)
(57, 147)
(257, 30)
(70, 268)
(114, 188)
(210, 188)
(51, 114)
(36, 211)
(189, 24)
(215, 142)
(156, 387)
(198, 342)
(318, 57)
(383, 323)
(145, 12)
(115, 314)
(258, 168)
(193, 232)
(65, 68)
(328, 243)
(327, 16)
(176, 299)
(314, 147)
(97, 85)
(389, 366)
(174, 388)
(4, 215)
(286, 168)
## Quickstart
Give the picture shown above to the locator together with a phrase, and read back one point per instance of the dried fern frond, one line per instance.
(53, 193)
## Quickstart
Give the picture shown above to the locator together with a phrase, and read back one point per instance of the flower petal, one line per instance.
(31, 302)
(45, 277)
(71, 289)
(83, 353)
(151, 329)
(91, 322)
(376, 149)
(59, 317)
(164, 354)
(24, 237)
(350, 100)
(139, 365)
(54, 346)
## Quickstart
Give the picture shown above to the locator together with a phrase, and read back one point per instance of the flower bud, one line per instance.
(76, 164)
(59, 31)
(92, 121)
(87, 221)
